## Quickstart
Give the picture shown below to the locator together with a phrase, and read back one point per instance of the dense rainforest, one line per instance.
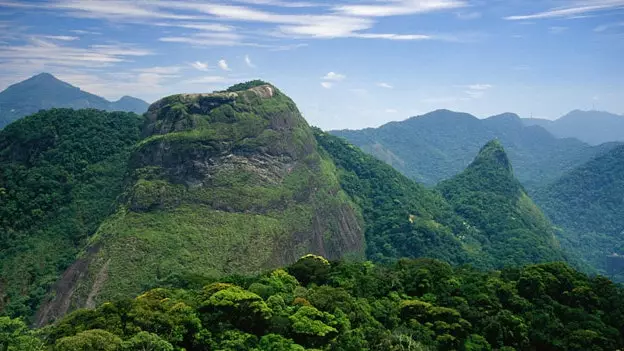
(204, 207)
(60, 172)
(314, 304)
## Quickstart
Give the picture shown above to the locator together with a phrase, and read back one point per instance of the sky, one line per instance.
(346, 63)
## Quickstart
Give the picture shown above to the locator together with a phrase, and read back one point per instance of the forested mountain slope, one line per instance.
(440, 144)
(60, 173)
(588, 204)
(511, 229)
(44, 91)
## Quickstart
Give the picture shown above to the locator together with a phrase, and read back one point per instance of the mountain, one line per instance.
(440, 144)
(129, 104)
(228, 183)
(592, 127)
(511, 229)
(224, 183)
(44, 91)
(587, 203)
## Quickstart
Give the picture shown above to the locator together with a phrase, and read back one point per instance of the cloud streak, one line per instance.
(579, 8)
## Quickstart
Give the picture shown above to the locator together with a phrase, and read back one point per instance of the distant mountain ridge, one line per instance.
(440, 144)
(592, 127)
(44, 91)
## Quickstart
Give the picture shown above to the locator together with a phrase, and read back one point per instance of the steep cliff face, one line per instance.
(223, 183)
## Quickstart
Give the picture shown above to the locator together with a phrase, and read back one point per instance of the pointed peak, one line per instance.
(493, 153)
(44, 75)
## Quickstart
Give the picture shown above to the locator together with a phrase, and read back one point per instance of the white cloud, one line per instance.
(400, 7)
(336, 77)
(201, 66)
(208, 27)
(248, 62)
(43, 52)
(60, 37)
(84, 32)
(385, 85)
(392, 36)
(223, 65)
(391, 110)
(579, 8)
(327, 85)
(341, 21)
(278, 3)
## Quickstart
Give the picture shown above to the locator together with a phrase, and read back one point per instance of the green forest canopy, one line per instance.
(421, 304)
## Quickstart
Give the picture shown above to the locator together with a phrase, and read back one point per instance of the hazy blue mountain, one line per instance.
(592, 127)
(440, 144)
(44, 91)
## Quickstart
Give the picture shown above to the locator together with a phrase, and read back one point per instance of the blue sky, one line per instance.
(346, 63)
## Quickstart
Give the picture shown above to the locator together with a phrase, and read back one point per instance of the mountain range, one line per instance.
(592, 127)
(208, 222)
(440, 144)
(231, 182)
(45, 91)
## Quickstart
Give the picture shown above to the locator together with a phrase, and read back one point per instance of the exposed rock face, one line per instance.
(223, 183)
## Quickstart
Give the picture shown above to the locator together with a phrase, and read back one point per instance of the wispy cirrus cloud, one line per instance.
(575, 9)
(327, 21)
(398, 8)
(60, 37)
(50, 52)
(385, 85)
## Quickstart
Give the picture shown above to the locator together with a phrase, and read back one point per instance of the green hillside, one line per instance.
(587, 203)
(403, 218)
(222, 183)
(60, 173)
(317, 305)
(510, 227)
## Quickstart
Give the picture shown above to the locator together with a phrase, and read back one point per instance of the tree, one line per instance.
(90, 340)
(144, 341)
(15, 336)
